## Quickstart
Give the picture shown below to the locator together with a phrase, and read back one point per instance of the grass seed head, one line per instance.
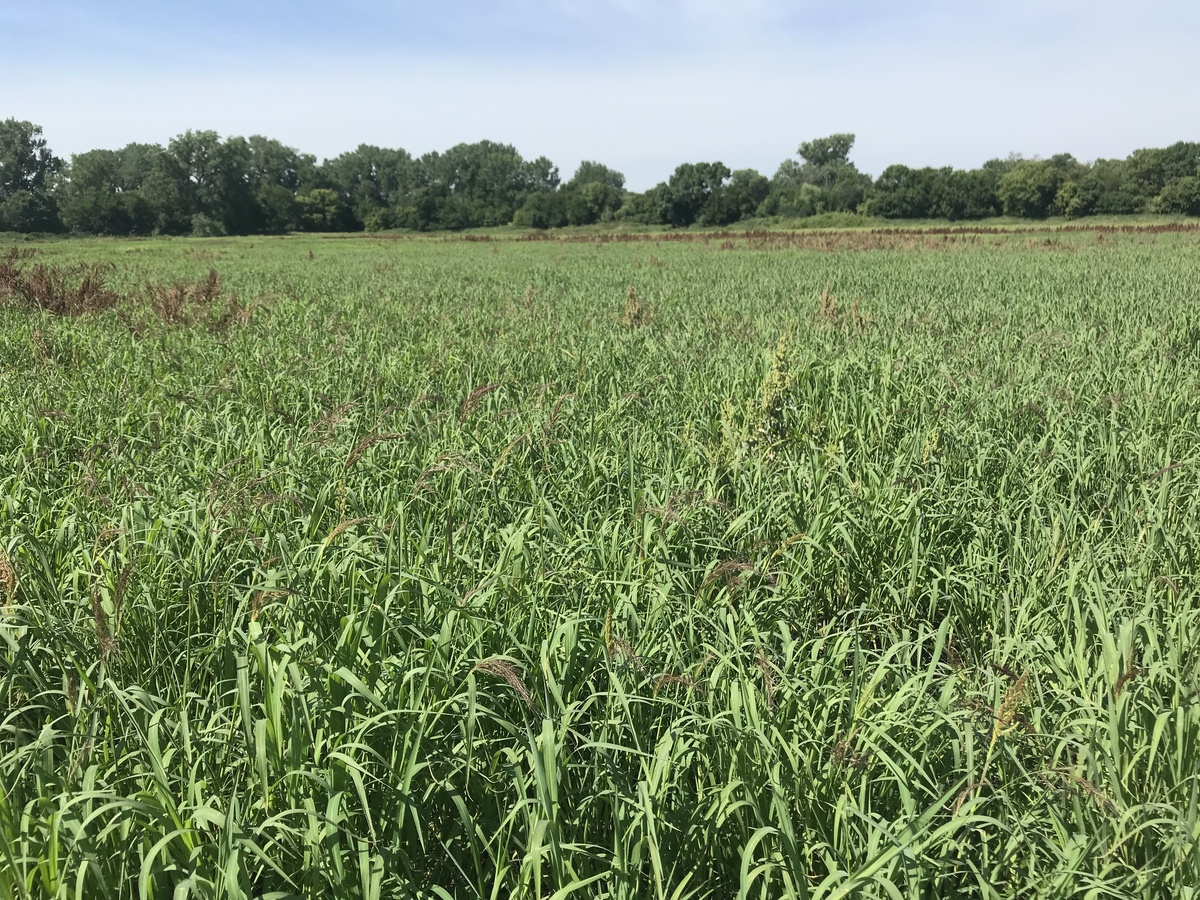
(105, 643)
(1007, 716)
(367, 443)
(728, 574)
(8, 581)
(263, 599)
(342, 527)
(769, 678)
(1132, 671)
(637, 312)
(473, 399)
(504, 670)
(619, 648)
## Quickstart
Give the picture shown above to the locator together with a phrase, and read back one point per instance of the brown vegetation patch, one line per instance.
(637, 311)
(831, 312)
(83, 288)
(202, 302)
(885, 238)
(473, 399)
(61, 290)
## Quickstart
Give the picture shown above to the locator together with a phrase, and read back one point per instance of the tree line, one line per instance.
(202, 184)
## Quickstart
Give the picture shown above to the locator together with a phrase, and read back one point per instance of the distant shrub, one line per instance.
(206, 226)
(1181, 197)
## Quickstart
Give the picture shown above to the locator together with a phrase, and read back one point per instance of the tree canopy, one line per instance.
(204, 184)
(27, 169)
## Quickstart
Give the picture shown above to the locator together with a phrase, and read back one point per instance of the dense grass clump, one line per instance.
(745, 568)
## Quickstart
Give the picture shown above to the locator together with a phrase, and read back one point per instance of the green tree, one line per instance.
(475, 185)
(946, 193)
(145, 183)
(1103, 188)
(827, 152)
(203, 184)
(192, 163)
(590, 172)
(542, 209)
(323, 209)
(164, 192)
(790, 195)
(588, 203)
(1149, 170)
(277, 209)
(746, 191)
(539, 175)
(1106, 185)
(827, 167)
(692, 188)
(27, 170)
(276, 174)
(1029, 189)
(965, 194)
(272, 162)
(95, 197)
(594, 192)
(1180, 196)
(371, 179)
(233, 199)
(645, 208)
(903, 193)
(737, 199)
(26, 163)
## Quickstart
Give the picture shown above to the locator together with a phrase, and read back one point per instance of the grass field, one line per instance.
(816, 566)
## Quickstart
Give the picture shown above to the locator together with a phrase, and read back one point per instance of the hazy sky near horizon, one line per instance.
(641, 86)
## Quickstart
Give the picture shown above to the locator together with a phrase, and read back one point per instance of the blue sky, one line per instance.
(641, 86)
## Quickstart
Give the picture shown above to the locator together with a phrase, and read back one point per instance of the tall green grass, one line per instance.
(621, 570)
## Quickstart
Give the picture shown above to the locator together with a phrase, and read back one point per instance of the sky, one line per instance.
(640, 85)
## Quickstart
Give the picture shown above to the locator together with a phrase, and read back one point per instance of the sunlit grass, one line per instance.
(631, 570)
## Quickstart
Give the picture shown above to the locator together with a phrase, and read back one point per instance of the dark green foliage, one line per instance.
(1180, 196)
(322, 209)
(825, 182)
(469, 186)
(904, 193)
(739, 199)
(595, 192)
(1099, 189)
(1029, 189)
(590, 172)
(967, 194)
(201, 183)
(827, 152)
(827, 165)
(97, 198)
(644, 208)
(276, 173)
(277, 210)
(371, 179)
(26, 163)
(692, 194)
(28, 212)
(198, 184)
(790, 195)
(484, 183)
(27, 168)
(543, 209)
(591, 202)
(1149, 171)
